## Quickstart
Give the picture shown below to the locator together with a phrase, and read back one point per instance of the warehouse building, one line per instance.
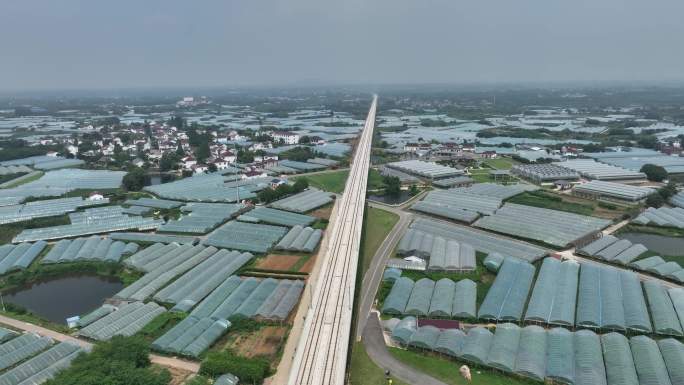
(426, 170)
(541, 173)
(612, 191)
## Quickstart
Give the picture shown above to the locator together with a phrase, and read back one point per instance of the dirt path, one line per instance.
(170, 362)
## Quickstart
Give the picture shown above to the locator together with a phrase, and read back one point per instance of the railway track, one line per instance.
(321, 355)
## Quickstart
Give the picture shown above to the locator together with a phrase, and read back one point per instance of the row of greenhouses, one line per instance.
(302, 166)
(662, 216)
(251, 237)
(43, 366)
(279, 217)
(21, 348)
(250, 297)
(425, 297)
(44, 208)
(14, 169)
(153, 238)
(204, 188)
(154, 203)
(480, 240)
(93, 248)
(163, 270)
(303, 201)
(200, 218)
(556, 355)
(506, 297)
(444, 254)
(125, 321)
(300, 238)
(612, 249)
(198, 282)
(191, 336)
(656, 265)
(122, 222)
(552, 227)
(19, 257)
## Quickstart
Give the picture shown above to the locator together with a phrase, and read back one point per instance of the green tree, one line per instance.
(168, 161)
(654, 172)
(134, 180)
(202, 152)
(179, 149)
(413, 190)
(212, 167)
(655, 200)
(248, 370)
(392, 185)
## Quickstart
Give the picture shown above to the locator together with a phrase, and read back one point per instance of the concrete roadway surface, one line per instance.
(374, 342)
(170, 362)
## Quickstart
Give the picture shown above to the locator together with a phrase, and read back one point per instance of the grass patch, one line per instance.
(377, 224)
(500, 163)
(301, 262)
(664, 231)
(550, 201)
(363, 371)
(375, 180)
(160, 325)
(446, 370)
(10, 230)
(22, 181)
(328, 181)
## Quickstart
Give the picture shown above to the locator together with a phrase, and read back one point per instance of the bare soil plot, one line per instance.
(277, 262)
(264, 342)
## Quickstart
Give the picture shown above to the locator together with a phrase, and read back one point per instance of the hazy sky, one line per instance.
(124, 43)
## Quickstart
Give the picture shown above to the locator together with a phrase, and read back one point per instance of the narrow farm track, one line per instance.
(321, 356)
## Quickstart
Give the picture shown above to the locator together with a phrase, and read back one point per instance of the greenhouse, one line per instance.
(554, 296)
(271, 302)
(451, 256)
(303, 201)
(19, 257)
(442, 298)
(540, 173)
(154, 203)
(403, 331)
(465, 299)
(227, 379)
(425, 337)
(457, 181)
(560, 355)
(601, 171)
(191, 336)
(391, 274)
(663, 216)
(648, 361)
(136, 210)
(589, 367)
(665, 320)
(287, 303)
(396, 300)
(93, 248)
(673, 355)
(419, 302)
(158, 253)
(216, 297)
(594, 247)
(230, 304)
(424, 169)
(6, 334)
(678, 200)
(280, 217)
(636, 312)
(497, 190)
(121, 222)
(303, 239)
(251, 305)
(164, 273)
(43, 366)
(618, 360)
(677, 297)
(43, 209)
(126, 321)
(202, 279)
(450, 342)
(613, 250)
(301, 166)
(613, 191)
(647, 263)
(504, 348)
(448, 212)
(531, 357)
(153, 238)
(665, 269)
(200, 218)
(96, 315)
(476, 345)
(480, 240)
(205, 188)
(252, 237)
(506, 298)
(21, 348)
(552, 227)
(493, 262)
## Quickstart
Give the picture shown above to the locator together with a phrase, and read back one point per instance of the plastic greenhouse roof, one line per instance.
(419, 301)
(477, 345)
(617, 356)
(560, 355)
(425, 337)
(589, 367)
(673, 355)
(648, 361)
(507, 296)
(504, 347)
(396, 300)
(554, 297)
(531, 356)
(665, 320)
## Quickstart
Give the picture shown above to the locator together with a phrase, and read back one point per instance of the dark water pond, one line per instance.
(658, 243)
(58, 299)
(391, 200)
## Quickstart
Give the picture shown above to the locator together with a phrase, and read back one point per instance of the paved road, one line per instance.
(371, 280)
(374, 343)
(160, 360)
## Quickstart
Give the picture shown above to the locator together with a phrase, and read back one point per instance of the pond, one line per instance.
(61, 298)
(389, 199)
(658, 243)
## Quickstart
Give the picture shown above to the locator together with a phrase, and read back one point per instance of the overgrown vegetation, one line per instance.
(329, 181)
(120, 361)
(248, 370)
(10, 230)
(269, 195)
(549, 201)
